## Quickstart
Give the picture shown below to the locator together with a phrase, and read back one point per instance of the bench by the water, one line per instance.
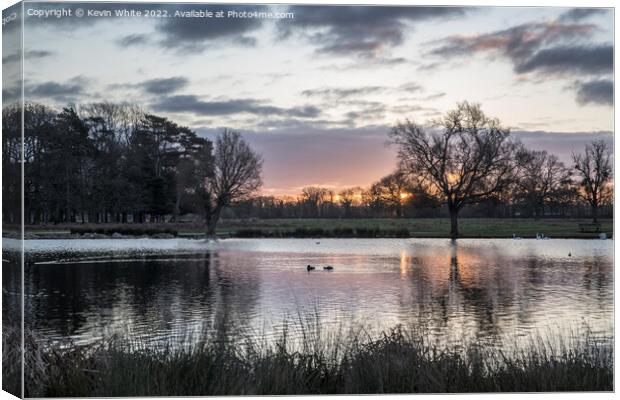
(590, 227)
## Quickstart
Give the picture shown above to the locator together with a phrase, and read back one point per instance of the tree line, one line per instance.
(464, 163)
(117, 163)
(546, 189)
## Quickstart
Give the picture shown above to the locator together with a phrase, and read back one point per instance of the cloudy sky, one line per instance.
(316, 94)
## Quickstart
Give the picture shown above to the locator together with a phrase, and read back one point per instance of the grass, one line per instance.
(398, 361)
(364, 228)
(408, 227)
(11, 359)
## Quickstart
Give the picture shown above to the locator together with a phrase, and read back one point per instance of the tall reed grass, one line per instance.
(304, 359)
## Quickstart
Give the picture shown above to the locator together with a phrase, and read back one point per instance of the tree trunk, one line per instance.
(177, 208)
(594, 214)
(212, 219)
(454, 223)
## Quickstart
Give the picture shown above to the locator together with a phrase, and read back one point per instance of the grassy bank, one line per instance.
(398, 361)
(411, 227)
(341, 228)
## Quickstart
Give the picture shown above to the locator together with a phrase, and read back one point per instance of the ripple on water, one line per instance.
(493, 290)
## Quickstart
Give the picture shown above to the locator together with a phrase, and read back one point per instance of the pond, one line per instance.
(493, 291)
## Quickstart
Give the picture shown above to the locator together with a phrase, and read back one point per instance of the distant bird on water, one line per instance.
(310, 267)
(328, 268)
(569, 254)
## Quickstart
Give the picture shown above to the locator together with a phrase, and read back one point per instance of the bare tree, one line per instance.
(595, 170)
(314, 197)
(235, 175)
(393, 190)
(121, 119)
(541, 176)
(465, 159)
(371, 198)
(348, 198)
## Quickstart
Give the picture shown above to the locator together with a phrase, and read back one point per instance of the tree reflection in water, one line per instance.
(485, 290)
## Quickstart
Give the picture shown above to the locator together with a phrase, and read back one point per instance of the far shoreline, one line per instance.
(110, 237)
(379, 228)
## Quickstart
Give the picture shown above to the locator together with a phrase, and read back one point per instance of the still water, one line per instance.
(489, 290)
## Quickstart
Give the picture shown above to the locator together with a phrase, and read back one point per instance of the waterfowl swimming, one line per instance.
(328, 268)
(310, 267)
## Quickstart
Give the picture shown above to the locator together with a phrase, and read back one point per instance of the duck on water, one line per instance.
(326, 268)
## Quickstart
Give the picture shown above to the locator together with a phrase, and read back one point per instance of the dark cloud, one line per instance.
(157, 86)
(578, 14)
(379, 62)
(390, 60)
(193, 33)
(295, 124)
(28, 55)
(247, 41)
(597, 92)
(407, 109)
(164, 86)
(57, 91)
(433, 66)
(516, 43)
(11, 94)
(434, 96)
(11, 58)
(193, 104)
(176, 33)
(373, 113)
(549, 49)
(563, 144)
(411, 87)
(364, 31)
(422, 98)
(570, 59)
(136, 39)
(276, 76)
(340, 93)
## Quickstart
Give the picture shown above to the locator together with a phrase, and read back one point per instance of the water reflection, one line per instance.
(11, 288)
(492, 290)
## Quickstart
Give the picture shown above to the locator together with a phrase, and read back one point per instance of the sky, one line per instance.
(317, 93)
